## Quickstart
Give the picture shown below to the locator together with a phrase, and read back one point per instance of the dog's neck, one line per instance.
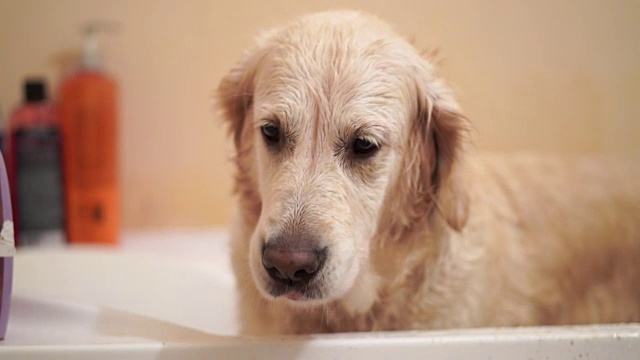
(395, 276)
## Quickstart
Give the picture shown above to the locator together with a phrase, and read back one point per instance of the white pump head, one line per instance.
(90, 53)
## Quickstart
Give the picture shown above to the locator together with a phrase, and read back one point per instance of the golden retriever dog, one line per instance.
(360, 207)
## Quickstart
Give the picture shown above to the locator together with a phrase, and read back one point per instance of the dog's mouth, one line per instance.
(290, 290)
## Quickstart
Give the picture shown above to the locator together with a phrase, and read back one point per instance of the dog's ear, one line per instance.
(437, 137)
(236, 89)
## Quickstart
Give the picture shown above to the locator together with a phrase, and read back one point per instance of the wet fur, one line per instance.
(451, 238)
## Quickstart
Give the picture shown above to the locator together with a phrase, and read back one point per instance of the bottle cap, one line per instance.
(35, 90)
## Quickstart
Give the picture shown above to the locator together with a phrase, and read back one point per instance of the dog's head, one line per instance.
(342, 133)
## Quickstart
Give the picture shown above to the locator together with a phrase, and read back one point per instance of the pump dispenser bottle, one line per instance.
(88, 110)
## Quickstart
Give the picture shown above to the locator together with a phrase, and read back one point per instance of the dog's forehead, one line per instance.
(341, 86)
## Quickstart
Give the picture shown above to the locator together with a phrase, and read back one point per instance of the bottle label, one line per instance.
(38, 182)
(7, 243)
(94, 157)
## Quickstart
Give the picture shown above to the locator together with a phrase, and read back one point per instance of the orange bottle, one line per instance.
(88, 113)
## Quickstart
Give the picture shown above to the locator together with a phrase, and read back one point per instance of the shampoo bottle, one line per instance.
(35, 168)
(7, 249)
(88, 108)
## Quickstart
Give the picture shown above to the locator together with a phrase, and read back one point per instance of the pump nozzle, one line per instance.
(90, 53)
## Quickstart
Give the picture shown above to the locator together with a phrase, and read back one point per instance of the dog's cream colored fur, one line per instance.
(426, 234)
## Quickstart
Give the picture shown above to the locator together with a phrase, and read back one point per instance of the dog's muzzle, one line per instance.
(292, 269)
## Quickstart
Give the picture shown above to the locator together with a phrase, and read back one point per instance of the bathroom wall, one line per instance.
(553, 76)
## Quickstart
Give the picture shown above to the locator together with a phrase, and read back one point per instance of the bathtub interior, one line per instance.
(181, 277)
(174, 291)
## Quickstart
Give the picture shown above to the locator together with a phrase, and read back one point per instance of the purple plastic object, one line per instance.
(7, 250)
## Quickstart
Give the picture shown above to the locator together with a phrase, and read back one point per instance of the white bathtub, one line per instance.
(170, 295)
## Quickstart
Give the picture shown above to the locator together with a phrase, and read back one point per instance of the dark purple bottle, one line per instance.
(7, 249)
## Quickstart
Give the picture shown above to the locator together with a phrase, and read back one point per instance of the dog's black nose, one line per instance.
(292, 266)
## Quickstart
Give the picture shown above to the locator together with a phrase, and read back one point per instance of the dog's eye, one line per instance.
(271, 133)
(364, 147)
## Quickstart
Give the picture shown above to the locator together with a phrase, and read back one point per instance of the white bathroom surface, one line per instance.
(181, 276)
(50, 323)
(170, 295)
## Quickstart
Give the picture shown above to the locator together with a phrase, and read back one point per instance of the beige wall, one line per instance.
(558, 76)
